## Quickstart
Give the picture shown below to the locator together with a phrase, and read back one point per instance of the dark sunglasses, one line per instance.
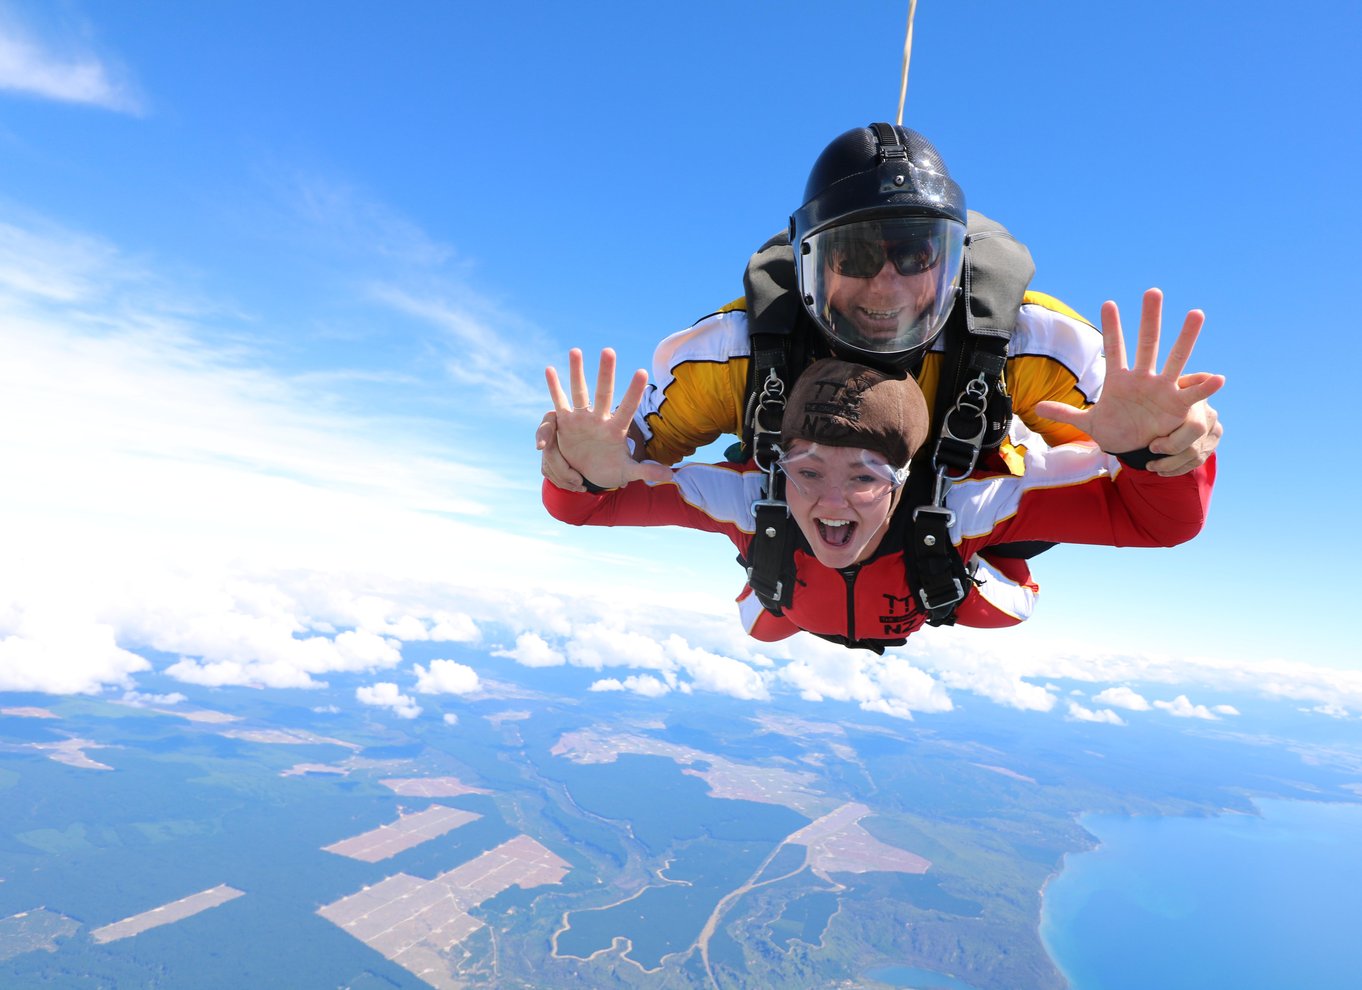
(858, 257)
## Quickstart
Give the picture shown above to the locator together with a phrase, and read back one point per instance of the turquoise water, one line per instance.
(1234, 901)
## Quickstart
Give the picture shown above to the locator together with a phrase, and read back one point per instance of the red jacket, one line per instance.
(1073, 493)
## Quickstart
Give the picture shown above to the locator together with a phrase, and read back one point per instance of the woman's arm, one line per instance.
(592, 437)
(1074, 493)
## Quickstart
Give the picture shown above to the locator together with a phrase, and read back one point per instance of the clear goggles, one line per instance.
(864, 482)
(925, 255)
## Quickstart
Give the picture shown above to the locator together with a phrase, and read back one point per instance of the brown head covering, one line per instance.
(841, 404)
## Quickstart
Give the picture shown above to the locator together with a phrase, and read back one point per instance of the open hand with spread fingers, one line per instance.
(592, 439)
(1141, 404)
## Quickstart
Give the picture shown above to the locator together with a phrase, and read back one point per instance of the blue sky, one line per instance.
(277, 288)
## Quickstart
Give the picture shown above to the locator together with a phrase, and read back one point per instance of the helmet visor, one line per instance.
(883, 287)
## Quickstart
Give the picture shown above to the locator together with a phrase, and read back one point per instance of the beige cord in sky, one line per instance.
(907, 54)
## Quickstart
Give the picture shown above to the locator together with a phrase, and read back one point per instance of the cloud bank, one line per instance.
(174, 495)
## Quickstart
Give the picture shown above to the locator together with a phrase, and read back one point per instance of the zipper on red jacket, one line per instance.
(849, 576)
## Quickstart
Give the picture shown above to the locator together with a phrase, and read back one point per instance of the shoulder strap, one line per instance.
(778, 355)
(779, 332)
(997, 269)
(973, 408)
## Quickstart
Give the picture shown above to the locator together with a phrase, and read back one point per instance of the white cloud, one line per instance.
(1225, 709)
(45, 264)
(646, 685)
(451, 719)
(596, 645)
(56, 649)
(906, 688)
(454, 627)
(889, 684)
(139, 700)
(386, 694)
(1080, 714)
(348, 220)
(233, 646)
(1000, 682)
(446, 677)
(481, 357)
(993, 663)
(819, 673)
(531, 650)
(177, 498)
(1122, 697)
(1333, 711)
(642, 684)
(409, 277)
(62, 71)
(1182, 707)
(709, 671)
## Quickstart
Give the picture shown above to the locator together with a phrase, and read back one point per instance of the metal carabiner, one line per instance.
(770, 404)
(971, 404)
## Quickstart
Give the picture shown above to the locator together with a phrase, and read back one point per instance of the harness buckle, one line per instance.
(956, 454)
(770, 503)
(944, 516)
(931, 526)
(954, 599)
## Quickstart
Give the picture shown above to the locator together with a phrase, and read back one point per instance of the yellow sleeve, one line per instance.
(1057, 356)
(699, 385)
(703, 401)
(1036, 379)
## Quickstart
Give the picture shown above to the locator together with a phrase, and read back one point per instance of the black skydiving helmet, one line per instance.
(880, 241)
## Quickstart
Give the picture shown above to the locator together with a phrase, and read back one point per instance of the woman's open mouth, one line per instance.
(835, 532)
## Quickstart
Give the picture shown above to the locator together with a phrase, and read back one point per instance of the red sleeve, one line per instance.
(1136, 508)
(710, 505)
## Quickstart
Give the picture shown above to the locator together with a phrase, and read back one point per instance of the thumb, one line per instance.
(658, 474)
(547, 430)
(1200, 385)
(1062, 412)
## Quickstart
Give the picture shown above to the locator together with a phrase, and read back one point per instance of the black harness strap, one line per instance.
(936, 575)
(778, 336)
(971, 414)
(770, 564)
(770, 558)
(874, 645)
